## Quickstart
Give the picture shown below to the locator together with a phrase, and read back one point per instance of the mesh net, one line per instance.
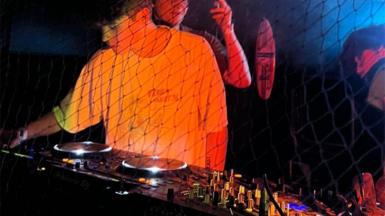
(317, 128)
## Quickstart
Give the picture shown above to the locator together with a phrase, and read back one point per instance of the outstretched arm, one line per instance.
(237, 73)
(44, 126)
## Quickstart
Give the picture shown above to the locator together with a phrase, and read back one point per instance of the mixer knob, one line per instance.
(231, 177)
(215, 198)
(250, 205)
(207, 196)
(257, 195)
(241, 189)
(223, 197)
(218, 177)
(227, 186)
(201, 193)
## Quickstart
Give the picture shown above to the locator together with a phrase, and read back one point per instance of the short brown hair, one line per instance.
(124, 7)
(372, 37)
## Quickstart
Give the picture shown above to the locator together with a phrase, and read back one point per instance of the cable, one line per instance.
(271, 196)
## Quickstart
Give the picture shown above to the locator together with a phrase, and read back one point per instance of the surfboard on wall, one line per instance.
(265, 59)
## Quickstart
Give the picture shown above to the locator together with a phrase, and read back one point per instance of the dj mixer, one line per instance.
(93, 178)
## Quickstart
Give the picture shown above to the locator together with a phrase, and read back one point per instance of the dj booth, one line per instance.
(88, 178)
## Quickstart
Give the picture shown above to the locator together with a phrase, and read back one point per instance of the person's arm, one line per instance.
(238, 72)
(212, 106)
(216, 147)
(74, 113)
(44, 126)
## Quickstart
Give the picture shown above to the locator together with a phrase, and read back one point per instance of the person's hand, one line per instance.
(6, 136)
(12, 138)
(222, 14)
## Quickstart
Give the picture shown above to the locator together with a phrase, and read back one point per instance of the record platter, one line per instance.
(81, 149)
(152, 164)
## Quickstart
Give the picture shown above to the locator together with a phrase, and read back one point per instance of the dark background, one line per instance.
(316, 115)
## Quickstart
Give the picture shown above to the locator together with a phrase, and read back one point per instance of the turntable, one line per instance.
(81, 149)
(152, 165)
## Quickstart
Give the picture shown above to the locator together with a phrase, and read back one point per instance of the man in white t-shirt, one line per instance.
(158, 92)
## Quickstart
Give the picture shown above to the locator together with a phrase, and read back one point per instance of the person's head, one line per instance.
(171, 12)
(363, 49)
(121, 8)
(125, 15)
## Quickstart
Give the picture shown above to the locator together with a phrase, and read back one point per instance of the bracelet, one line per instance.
(23, 134)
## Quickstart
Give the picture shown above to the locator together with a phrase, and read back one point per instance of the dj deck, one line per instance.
(89, 178)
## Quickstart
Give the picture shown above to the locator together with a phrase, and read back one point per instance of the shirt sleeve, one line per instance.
(212, 102)
(81, 108)
(59, 109)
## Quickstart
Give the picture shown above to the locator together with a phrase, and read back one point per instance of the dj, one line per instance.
(158, 92)
(231, 60)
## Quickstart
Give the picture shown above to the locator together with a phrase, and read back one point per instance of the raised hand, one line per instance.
(222, 14)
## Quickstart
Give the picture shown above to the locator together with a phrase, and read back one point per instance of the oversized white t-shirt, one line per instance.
(159, 106)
